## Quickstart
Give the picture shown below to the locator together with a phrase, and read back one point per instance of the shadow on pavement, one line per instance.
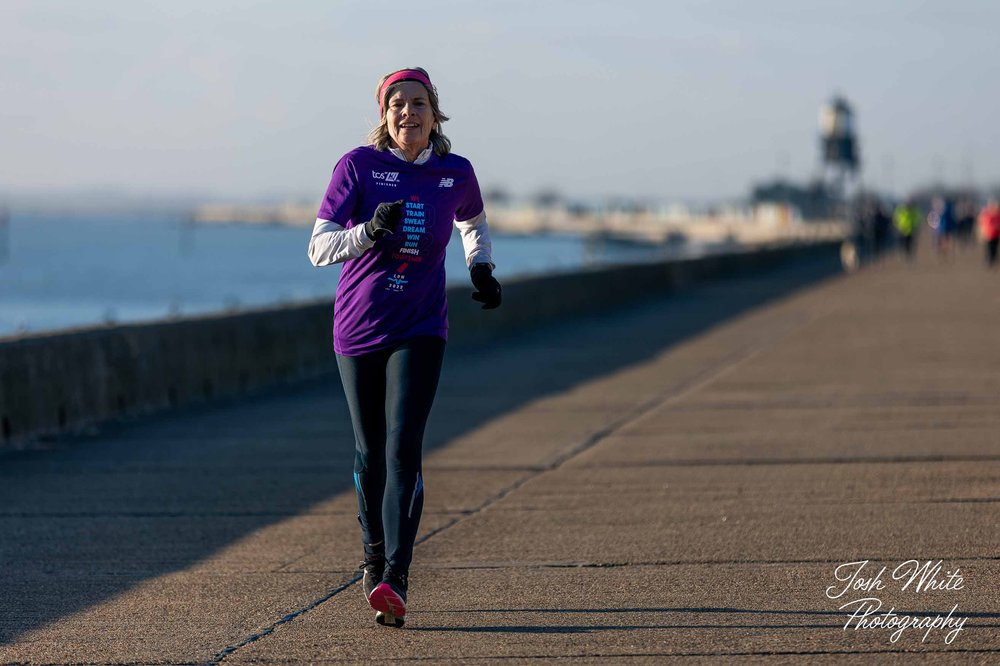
(93, 516)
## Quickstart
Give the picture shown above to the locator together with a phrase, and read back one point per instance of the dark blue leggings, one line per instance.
(390, 393)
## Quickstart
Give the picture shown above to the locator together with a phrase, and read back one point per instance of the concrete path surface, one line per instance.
(724, 475)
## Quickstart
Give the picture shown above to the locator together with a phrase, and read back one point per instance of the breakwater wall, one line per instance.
(71, 380)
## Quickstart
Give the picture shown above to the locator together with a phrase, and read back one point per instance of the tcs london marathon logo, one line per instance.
(386, 178)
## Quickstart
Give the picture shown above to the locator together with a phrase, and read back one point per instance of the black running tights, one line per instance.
(390, 393)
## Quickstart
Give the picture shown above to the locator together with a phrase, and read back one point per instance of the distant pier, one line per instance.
(762, 224)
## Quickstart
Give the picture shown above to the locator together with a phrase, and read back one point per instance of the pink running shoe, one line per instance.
(388, 599)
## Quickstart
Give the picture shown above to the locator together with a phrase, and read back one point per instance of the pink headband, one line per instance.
(396, 77)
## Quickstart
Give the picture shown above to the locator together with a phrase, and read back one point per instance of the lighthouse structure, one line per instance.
(838, 146)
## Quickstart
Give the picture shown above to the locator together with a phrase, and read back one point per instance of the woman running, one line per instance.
(388, 215)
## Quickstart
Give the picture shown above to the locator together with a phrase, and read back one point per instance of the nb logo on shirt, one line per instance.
(446, 182)
(386, 176)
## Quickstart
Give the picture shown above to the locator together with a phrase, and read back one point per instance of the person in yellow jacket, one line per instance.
(906, 219)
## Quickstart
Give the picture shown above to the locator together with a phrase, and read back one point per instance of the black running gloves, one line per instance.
(385, 221)
(487, 288)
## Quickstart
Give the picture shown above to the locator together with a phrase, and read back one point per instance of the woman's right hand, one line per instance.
(385, 221)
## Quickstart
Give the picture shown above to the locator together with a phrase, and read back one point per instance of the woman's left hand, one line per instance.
(488, 290)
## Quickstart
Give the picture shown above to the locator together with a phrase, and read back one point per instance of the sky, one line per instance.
(661, 100)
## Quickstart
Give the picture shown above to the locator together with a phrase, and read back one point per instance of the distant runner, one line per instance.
(989, 230)
(906, 219)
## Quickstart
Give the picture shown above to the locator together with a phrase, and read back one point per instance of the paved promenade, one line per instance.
(676, 481)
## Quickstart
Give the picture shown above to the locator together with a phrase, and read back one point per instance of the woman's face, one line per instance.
(409, 116)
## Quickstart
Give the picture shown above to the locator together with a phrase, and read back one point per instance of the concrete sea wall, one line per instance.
(70, 380)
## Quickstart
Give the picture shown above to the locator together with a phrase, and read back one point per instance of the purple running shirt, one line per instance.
(396, 289)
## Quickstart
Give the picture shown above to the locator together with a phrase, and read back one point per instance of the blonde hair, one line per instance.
(379, 137)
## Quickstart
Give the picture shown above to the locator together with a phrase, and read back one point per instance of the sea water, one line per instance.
(67, 271)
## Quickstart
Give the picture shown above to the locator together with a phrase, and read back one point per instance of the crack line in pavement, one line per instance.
(621, 655)
(708, 462)
(483, 468)
(721, 367)
(102, 663)
(703, 611)
(165, 514)
(286, 619)
(661, 563)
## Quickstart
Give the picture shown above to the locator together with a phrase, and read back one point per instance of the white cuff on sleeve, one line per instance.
(332, 244)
